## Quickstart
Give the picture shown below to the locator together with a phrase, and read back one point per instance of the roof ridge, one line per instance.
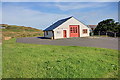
(56, 24)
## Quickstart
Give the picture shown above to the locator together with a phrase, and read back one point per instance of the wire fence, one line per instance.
(111, 34)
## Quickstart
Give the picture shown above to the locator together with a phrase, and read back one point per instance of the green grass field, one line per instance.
(48, 61)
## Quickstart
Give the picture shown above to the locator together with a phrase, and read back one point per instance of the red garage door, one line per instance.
(74, 30)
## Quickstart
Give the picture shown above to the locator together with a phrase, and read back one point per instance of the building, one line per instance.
(66, 28)
(92, 27)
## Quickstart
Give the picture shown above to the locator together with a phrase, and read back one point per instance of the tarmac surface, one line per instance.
(100, 42)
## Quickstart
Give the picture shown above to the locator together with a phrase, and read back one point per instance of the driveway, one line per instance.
(100, 42)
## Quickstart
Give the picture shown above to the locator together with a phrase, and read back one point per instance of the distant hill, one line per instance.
(14, 31)
(15, 28)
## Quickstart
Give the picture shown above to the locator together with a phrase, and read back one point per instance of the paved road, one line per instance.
(101, 42)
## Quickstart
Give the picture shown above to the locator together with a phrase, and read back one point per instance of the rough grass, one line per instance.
(21, 34)
(15, 28)
(15, 31)
(48, 61)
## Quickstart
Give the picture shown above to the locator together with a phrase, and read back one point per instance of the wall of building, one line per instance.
(50, 34)
(58, 32)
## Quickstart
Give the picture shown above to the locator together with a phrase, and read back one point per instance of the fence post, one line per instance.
(114, 34)
(99, 33)
(106, 34)
(92, 33)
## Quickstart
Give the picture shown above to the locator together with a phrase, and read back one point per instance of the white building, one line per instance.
(66, 28)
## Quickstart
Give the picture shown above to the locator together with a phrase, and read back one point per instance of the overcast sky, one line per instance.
(42, 14)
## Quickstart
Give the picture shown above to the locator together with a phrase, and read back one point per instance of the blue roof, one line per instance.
(56, 24)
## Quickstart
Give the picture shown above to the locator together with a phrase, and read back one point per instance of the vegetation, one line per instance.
(14, 28)
(21, 34)
(48, 61)
(108, 25)
(19, 31)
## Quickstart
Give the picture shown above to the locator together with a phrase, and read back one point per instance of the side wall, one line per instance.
(58, 32)
(50, 34)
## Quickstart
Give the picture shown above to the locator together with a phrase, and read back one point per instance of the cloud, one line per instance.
(27, 17)
(72, 6)
(94, 17)
(59, 0)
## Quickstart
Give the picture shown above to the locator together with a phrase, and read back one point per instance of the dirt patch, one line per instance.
(7, 38)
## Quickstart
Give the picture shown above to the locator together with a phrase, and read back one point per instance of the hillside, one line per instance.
(15, 28)
(14, 31)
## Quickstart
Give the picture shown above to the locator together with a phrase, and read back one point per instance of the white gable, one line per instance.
(71, 21)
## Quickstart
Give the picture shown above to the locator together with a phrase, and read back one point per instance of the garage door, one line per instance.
(74, 30)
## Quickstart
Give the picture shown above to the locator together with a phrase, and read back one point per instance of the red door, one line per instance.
(64, 33)
(74, 30)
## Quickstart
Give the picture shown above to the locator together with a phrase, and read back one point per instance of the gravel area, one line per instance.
(100, 42)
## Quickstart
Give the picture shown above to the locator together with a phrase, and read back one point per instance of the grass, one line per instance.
(21, 34)
(15, 31)
(48, 61)
(15, 28)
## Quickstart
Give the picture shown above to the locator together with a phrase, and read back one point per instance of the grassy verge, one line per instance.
(48, 61)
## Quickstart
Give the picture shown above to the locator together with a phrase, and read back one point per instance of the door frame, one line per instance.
(78, 29)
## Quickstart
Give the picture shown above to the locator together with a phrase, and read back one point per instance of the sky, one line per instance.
(59, 0)
(41, 15)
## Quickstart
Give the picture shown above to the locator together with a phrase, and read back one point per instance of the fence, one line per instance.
(111, 34)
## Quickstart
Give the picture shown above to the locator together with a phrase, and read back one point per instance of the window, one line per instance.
(58, 32)
(73, 30)
(84, 30)
(46, 32)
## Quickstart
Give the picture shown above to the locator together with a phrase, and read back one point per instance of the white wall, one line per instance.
(58, 32)
(50, 34)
